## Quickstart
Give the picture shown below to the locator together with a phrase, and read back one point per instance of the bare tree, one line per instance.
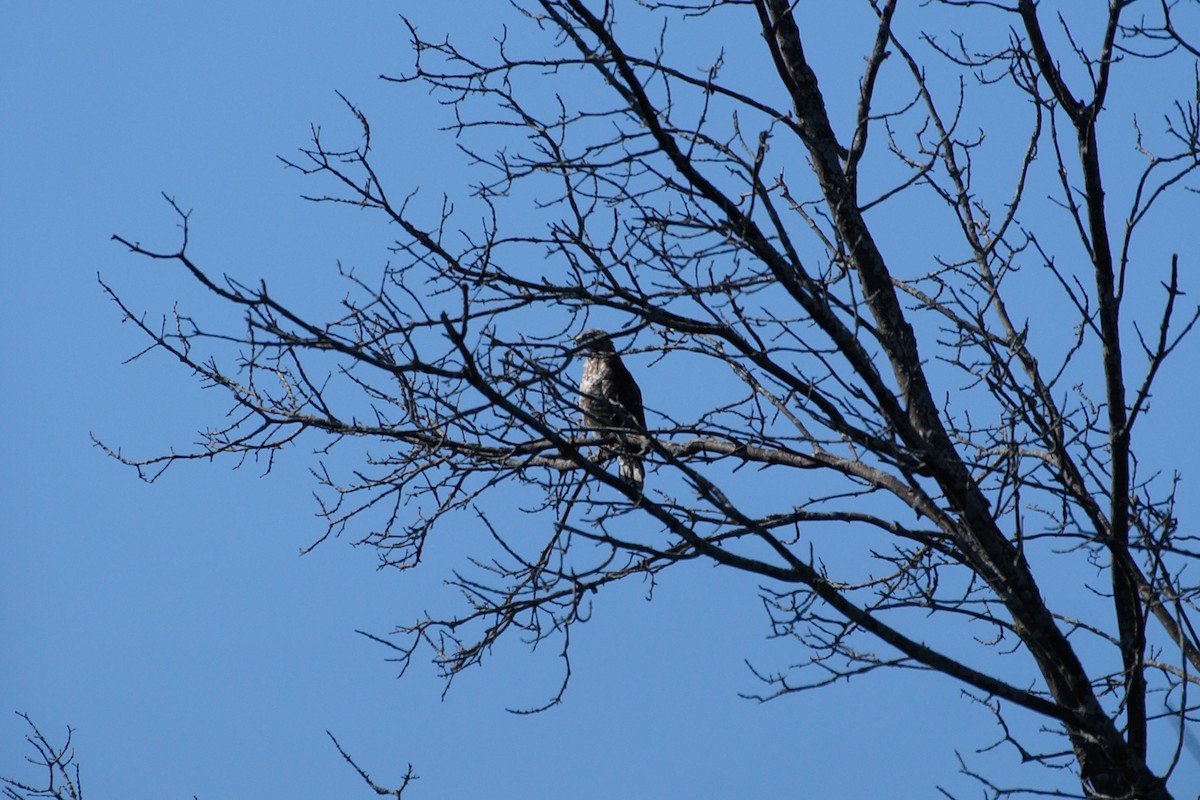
(56, 763)
(62, 780)
(899, 306)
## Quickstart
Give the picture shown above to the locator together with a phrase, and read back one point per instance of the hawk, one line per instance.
(610, 400)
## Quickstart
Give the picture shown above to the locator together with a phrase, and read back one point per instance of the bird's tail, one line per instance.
(632, 469)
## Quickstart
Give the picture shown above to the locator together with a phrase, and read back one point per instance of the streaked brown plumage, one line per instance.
(610, 399)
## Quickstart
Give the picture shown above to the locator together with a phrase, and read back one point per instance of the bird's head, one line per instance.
(594, 340)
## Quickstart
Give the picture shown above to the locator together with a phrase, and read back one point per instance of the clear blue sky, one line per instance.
(175, 626)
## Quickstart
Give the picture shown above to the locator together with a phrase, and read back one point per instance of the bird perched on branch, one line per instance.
(611, 401)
